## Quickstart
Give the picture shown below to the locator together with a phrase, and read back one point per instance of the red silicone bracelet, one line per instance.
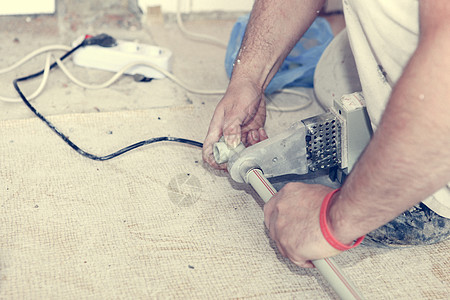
(326, 231)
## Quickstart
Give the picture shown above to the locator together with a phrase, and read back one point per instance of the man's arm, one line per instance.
(272, 31)
(407, 160)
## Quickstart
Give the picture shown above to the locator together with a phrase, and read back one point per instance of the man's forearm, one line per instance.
(272, 31)
(408, 157)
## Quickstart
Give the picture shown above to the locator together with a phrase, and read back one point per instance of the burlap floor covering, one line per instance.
(158, 223)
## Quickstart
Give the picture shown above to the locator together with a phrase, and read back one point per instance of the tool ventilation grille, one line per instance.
(323, 141)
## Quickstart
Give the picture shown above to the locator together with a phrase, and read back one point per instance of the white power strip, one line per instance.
(124, 53)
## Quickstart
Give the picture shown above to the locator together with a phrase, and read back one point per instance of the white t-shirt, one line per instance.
(383, 35)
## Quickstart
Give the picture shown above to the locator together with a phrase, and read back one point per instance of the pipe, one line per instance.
(327, 267)
(222, 153)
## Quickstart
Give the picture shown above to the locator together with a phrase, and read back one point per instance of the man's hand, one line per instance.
(292, 217)
(239, 116)
(273, 30)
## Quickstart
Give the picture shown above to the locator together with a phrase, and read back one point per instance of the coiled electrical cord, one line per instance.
(97, 40)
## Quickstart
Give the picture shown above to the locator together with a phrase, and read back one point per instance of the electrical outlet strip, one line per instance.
(125, 52)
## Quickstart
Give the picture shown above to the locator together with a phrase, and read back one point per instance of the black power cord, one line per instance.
(104, 41)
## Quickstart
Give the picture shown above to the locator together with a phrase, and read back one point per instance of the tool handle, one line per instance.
(327, 267)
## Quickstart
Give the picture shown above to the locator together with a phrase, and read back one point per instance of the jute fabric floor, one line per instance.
(158, 223)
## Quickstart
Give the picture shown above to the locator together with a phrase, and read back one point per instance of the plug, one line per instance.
(102, 40)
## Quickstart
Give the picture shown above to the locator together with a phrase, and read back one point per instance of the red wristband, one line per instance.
(326, 231)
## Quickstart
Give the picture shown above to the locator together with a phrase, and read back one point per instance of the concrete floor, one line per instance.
(61, 96)
(199, 65)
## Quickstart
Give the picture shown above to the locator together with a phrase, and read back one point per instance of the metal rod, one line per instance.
(327, 267)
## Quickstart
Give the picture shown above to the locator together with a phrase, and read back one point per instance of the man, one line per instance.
(402, 52)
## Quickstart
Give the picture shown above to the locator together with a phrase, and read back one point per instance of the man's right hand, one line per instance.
(239, 116)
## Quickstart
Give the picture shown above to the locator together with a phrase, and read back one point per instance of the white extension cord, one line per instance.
(46, 70)
(194, 35)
